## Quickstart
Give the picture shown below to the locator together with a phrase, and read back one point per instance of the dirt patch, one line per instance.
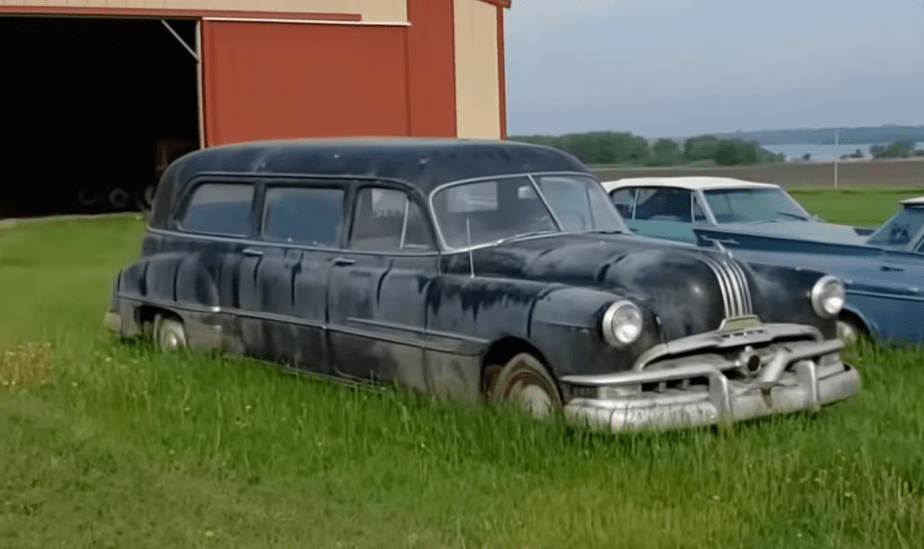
(878, 173)
(26, 365)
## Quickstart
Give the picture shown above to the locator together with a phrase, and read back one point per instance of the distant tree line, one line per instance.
(625, 148)
(897, 149)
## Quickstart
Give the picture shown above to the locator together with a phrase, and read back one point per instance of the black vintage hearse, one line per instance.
(472, 270)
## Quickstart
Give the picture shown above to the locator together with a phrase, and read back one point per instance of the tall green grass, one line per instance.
(127, 447)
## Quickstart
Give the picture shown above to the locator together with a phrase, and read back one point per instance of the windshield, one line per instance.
(496, 209)
(901, 230)
(753, 205)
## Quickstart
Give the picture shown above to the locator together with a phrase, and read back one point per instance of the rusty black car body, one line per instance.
(472, 270)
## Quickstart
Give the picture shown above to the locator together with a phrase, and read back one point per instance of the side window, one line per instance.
(664, 204)
(386, 220)
(623, 199)
(303, 215)
(219, 208)
(699, 216)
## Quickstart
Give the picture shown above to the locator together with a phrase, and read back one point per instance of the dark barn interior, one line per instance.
(91, 109)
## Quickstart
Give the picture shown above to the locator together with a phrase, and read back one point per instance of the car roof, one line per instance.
(918, 201)
(687, 182)
(422, 163)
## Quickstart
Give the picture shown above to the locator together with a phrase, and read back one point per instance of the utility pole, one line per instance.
(835, 157)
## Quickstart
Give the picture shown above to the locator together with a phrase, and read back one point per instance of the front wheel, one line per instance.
(524, 381)
(848, 330)
(169, 334)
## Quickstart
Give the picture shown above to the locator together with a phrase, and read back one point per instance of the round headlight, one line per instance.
(622, 323)
(828, 296)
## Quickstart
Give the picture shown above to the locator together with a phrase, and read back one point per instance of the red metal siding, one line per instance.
(276, 80)
(431, 58)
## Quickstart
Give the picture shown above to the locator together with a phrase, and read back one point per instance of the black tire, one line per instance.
(169, 333)
(118, 198)
(524, 381)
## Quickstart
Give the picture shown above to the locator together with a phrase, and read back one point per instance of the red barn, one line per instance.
(100, 94)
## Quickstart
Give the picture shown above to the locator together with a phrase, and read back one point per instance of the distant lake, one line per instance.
(823, 152)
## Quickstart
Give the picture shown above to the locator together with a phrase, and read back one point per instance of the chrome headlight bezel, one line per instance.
(622, 323)
(828, 296)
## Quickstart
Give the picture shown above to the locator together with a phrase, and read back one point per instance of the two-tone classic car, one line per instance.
(759, 222)
(472, 270)
(670, 207)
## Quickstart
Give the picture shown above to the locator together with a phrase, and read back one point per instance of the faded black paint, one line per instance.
(422, 319)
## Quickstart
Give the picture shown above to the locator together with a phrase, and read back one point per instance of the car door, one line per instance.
(217, 223)
(301, 226)
(378, 289)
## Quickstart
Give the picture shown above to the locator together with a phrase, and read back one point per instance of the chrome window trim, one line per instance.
(248, 241)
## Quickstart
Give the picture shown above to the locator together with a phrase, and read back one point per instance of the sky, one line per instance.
(676, 68)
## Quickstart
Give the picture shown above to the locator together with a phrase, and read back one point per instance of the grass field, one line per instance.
(109, 444)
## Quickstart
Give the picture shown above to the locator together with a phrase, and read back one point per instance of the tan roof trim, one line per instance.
(499, 3)
(173, 13)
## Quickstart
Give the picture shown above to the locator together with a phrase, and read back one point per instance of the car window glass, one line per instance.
(622, 199)
(303, 215)
(386, 220)
(901, 230)
(753, 205)
(487, 211)
(578, 203)
(219, 208)
(664, 204)
(698, 214)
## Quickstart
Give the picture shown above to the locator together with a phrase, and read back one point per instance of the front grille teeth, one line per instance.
(733, 283)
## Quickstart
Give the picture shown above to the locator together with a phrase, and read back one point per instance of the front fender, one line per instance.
(566, 327)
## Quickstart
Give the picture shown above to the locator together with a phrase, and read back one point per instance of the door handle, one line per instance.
(343, 261)
(253, 252)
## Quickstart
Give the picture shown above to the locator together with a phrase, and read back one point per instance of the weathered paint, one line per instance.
(423, 319)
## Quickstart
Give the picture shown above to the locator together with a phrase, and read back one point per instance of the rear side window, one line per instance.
(311, 216)
(663, 204)
(386, 220)
(219, 208)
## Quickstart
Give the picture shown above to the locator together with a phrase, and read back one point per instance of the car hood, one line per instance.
(690, 290)
(799, 230)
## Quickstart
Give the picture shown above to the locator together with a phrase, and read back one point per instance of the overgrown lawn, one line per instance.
(109, 444)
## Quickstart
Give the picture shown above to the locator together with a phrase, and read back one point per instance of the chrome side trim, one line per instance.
(733, 283)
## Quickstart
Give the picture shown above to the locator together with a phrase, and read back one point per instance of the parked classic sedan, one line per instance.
(472, 270)
(884, 280)
(669, 207)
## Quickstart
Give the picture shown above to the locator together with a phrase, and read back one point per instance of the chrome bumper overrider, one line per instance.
(803, 375)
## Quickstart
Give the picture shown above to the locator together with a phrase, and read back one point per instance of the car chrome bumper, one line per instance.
(799, 384)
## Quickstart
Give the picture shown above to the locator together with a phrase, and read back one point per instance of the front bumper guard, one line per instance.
(790, 382)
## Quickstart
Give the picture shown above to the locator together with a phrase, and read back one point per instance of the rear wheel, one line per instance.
(524, 381)
(169, 333)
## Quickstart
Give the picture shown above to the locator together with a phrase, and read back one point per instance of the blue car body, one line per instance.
(883, 273)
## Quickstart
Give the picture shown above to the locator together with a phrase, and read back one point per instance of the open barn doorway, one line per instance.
(93, 109)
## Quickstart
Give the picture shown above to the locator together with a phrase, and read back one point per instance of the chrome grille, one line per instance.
(736, 293)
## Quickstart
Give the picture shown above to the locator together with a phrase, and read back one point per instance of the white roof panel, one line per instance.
(689, 182)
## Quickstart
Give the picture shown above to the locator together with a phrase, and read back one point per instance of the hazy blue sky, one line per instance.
(672, 68)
